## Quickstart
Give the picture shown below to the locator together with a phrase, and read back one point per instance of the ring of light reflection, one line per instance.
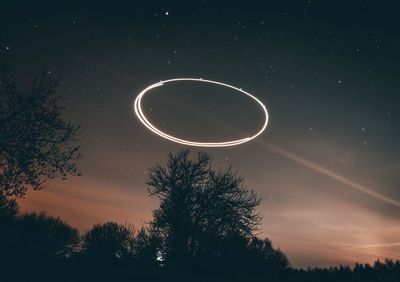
(139, 113)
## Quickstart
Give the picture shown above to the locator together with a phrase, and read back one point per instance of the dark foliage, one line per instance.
(263, 257)
(387, 271)
(200, 209)
(146, 248)
(108, 241)
(35, 142)
(215, 230)
(8, 207)
(39, 235)
(8, 215)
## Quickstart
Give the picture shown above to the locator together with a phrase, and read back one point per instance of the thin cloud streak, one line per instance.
(306, 163)
(376, 245)
(321, 170)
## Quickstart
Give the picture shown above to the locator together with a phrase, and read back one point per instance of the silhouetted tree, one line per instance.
(40, 235)
(8, 214)
(147, 248)
(265, 259)
(108, 242)
(199, 207)
(8, 207)
(35, 142)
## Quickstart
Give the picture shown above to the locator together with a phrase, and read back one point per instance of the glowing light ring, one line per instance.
(139, 113)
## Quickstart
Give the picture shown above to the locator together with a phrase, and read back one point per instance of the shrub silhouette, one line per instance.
(40, 235)
(108, 242)
(147, 248)
(8, 215)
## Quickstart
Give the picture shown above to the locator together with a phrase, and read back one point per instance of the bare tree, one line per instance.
(199, 207)
(35, 142)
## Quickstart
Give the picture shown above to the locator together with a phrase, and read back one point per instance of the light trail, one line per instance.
(139, 113)
(278, 150)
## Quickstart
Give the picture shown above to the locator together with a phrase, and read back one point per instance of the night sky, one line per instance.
(327, 167)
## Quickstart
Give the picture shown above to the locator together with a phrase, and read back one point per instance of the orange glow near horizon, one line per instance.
(330, 236)
(83, 203)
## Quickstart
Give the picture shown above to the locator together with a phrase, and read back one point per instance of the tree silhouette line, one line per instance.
(204, 229)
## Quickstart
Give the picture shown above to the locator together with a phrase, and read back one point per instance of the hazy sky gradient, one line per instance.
(327, 72)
